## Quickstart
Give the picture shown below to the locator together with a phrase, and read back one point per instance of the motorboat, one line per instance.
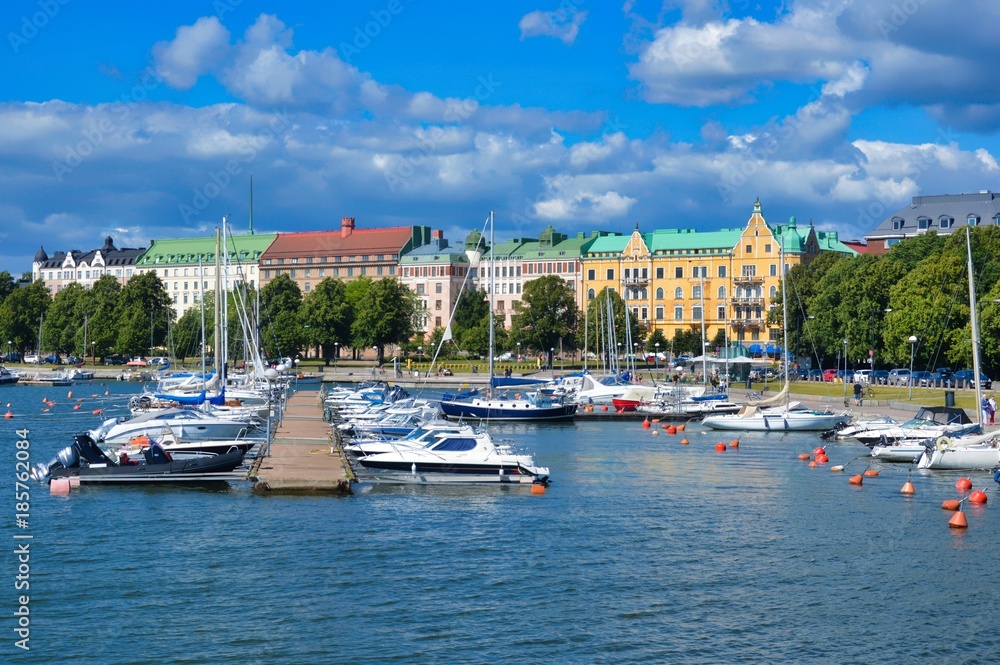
(185, 423)
(854, 427)
(777, 414)
(693, 407)
(420, 437)
(930, 422)
(464, 457)
(173, 444)
(7, 378)
(85, 460)
(532, 407)
(973, 451)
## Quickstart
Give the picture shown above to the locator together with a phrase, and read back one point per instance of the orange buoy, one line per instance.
(76, 407)
(951, 504)
(655, 420)
(680, 428)
(59, 486)
(671, 430)
(79, 399)
(720, 447)
(97, 412)
(69, 395)
(645, 423)
(813, 464)
(819, 450)
(684, 442)
(908, 488)
(978, 496)
(9, 414)
(803, 456)
(665, 425)
(963, 484)
(604, 407)
(735, 443)
(538, 488)
(871, 473)
(855, 480)
(822, 459)
(958, 520)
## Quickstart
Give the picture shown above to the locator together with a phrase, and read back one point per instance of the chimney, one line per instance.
(346, 226)
(437, 235)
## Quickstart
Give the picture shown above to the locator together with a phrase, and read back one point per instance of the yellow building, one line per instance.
(682, 279)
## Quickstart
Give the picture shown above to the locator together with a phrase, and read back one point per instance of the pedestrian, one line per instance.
(985, 408)
(993, 409)
(858, 392)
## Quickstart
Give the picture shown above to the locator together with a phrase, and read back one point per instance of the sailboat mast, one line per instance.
(784, 314)
(492, 289)
(974, 322)
(218, 294)
(704, 347)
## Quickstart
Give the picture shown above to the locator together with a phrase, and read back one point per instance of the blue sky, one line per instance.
(145, 121)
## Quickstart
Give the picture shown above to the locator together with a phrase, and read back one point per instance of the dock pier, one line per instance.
(301, 458)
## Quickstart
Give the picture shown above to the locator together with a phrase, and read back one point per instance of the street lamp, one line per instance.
(913, 344)
(93, 353)
(845, 370)
(656, 357)
(336, 353)
(518, 350)
(552, 356)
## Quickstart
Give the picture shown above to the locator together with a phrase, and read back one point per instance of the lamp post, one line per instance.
(656, 357)
(913, 346)
(845, 370)
(552, 355)
(93, 353)
(336, 354)
(518, 350)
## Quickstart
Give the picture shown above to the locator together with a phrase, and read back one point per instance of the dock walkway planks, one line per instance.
(300, 461)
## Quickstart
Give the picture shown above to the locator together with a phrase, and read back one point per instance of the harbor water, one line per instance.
(643, 550)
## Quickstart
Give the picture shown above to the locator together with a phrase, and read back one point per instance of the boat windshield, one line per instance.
(454, 445)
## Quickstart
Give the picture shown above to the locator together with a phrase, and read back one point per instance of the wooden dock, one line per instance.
(301, 460)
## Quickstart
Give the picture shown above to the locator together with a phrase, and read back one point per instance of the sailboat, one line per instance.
(975, 451)
(531, 406)
(778, 413)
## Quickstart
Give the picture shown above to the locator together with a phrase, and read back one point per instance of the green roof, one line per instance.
(829, 241)
(186, 251)
(558, 246)
(665, 240)
(605, 244)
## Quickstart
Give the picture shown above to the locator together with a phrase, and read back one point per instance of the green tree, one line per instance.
(7, 285)
(357, 292)
(63, 329)
(281, 327)
(598, 338)
(102, 303)
(327, 316)
(142, 313)
(546, 317)
(448, 349)
(657, 341)
(20, 314)
(384, 316)
(471, 310)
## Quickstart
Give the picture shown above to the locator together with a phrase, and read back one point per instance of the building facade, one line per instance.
(186, 266)
(436, 273)
(64, 268)
(941, 214)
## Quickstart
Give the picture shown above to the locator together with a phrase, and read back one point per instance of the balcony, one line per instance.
(755, 322)
(748, 280)
(635, 281)
(746, 302)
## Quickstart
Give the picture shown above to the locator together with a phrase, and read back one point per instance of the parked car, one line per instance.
(969, 376)
(52, 359)
(919, 378)
(800, 373)
(12, 357)
(159, 360)
(939, 379)
(75, 360)
(114, 360)
(815, 375)
(829, 374)
(33, 358)
(879, 377)
(862, 375)
(899, 376)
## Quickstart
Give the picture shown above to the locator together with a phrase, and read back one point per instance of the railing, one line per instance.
(747, 302)
(748, 279)
(755, 322)
(635, 281)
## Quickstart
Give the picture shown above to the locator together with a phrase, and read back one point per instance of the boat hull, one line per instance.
(200, 469)
(781, 422)
(957, 459)
(509, 410)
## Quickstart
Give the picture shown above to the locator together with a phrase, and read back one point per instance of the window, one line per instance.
(678, 313)
(946, 222)
(645, 313)
(700, 271)
(437, 305)
(659, 312)
(722, 293)
(678, 272)
(774, 292)
(591, 274)
(767, 248)
(973, 220)
(748, 249)
(420, 289)
(308, 285)
(696, 313)
(437, 321)
(722, 312)
(659, 273)
(922, 223)
(679, 293)
(696, 292)
(628, 273)
(749, 271)
(659, 293)
(722, 271)
(590, 294)
(437, 288)
(774, 270)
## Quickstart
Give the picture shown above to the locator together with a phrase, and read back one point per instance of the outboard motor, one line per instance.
(67, 458)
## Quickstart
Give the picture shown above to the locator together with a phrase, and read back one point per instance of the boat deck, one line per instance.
(301, 458)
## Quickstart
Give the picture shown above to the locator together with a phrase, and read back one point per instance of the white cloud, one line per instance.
(563, 24)
(194, 51)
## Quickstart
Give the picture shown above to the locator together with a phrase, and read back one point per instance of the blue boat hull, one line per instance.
(507, 410)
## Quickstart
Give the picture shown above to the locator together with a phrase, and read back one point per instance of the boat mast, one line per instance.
(492, 289)
(974, 322)
(704, 342)
(218, 294)
(784, 317)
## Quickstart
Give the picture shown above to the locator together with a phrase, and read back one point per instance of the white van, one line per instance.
(862, 375)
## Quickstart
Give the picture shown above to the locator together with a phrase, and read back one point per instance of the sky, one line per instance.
(144, 121)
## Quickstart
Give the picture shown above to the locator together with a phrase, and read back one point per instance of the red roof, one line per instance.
(390, 240)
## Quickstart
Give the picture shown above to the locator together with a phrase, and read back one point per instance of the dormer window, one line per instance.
(922, 223)
(973, 220)
(897, 224)
(946, 222)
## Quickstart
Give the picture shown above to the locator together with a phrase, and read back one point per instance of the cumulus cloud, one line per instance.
(195, 50)
(563, 24)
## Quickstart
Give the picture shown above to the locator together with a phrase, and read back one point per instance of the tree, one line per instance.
(20, 314)
(63, 329)
(598, 339)
(448, 349)
(656, 341)
(141, 315)
(687, 341)
(7, 285)
(327, 316)
(471, 311)
(384, 316)
(546, 316)
(102, 303)
(357, 293)
(281, 327)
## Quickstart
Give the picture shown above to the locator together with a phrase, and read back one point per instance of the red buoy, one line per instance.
(97, 412)
(813, 464)
(951, 504)
(76, 407)
(871, 473)
(958, 520)
(822, 459)
(978, 496)
(720, 447)
(819, 450)
(908, 488)
(855, 480)
(963, 484)
(671, 429)
(803, 456)
(9, 414)
(645, 423)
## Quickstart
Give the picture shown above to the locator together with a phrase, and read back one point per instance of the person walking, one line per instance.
(858, 393)
(993, 409)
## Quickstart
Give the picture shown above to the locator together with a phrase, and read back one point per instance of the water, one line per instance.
(642, 551)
